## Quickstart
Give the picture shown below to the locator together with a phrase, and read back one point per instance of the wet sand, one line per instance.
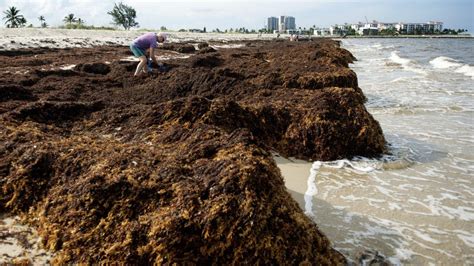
(295, 173)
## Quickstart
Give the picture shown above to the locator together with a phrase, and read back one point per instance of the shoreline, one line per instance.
(24, 38)
(39, 77)
(410, 37)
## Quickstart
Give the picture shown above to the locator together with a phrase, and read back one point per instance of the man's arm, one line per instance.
(152, 55)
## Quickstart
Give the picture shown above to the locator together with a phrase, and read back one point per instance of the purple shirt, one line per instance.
(147, 40)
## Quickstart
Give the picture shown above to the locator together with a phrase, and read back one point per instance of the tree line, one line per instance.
(122, 15)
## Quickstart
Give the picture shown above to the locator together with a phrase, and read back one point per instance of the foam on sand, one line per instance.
(312, 189)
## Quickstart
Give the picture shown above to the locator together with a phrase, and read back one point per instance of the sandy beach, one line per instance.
(295, 173)
(20, 243)
(63, 38)
(187, 144)
(178, 152)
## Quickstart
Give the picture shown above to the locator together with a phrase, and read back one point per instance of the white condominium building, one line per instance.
(432, 26)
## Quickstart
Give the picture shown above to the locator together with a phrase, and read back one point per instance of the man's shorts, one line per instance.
(136, 51)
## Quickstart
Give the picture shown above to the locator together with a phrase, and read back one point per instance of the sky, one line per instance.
(251, 14)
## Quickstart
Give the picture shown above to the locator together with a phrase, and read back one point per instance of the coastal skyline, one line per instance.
(250, 14)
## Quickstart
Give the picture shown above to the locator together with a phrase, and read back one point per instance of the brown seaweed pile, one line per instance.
(176, 167)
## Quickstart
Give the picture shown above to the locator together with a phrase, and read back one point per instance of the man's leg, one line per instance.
(141, 64)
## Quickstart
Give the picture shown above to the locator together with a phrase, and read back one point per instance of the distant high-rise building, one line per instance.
(290, 23)
(281, 24)
(272, 24)
(286, 23)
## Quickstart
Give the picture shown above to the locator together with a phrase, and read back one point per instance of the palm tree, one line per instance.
(22, 22)
(80, 22)
(12, 18)
(70, 19)
(42, 22)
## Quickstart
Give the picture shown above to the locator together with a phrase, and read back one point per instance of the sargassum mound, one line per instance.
(176, 167)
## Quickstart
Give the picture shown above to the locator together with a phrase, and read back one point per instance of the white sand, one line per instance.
(62, 38)
(20, 243)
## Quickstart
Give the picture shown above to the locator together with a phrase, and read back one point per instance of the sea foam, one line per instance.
(443, 62)
(406, 63)
(467, 70)
(312, 189)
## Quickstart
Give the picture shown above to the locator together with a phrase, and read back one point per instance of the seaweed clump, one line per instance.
(176, 167)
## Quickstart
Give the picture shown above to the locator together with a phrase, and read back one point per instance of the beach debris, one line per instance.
(189, 177)
(203, 45)
(94, 68)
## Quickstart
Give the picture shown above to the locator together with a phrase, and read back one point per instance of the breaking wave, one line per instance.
(443, 62)
(406, 64)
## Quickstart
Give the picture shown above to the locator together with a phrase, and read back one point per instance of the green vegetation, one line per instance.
(453, 31)
(70, 19)
(13, 19)
(80, 21)
(75, 23)
(351, 32)
(123, 15)
(389, 32)
(433, 32)
(42, 22)
(77, 26)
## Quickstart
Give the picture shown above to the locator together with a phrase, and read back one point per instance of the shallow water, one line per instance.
(415, 206)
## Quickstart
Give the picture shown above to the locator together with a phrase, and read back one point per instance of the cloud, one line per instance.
(93, 12)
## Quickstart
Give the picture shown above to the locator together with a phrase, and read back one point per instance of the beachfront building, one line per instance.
(436, 26)
(368, 30)
(375, 27)
(339, 29)
(287, 23)
(322, 32)
(272, 24)
(298, 32)
(386, 26)
(357, 26)
(419, 28)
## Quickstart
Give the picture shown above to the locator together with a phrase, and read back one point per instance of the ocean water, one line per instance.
(416, 205)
